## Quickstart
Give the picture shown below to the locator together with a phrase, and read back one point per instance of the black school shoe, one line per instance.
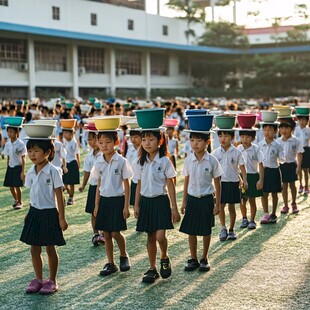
(192, 264)
(204, 265)
(108, 269)
(150, 276)
(165, 268)
(124, 264)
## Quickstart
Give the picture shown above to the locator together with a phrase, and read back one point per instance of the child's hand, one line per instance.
(65, 170)
(298, 170)
(259, 185)
(175, 215)
(183, 208)
(96, 210)
(22, 176)
(136, 211)
(126, 213)
(63, 224)
(81, 188)
(216, 209)
(245, 184)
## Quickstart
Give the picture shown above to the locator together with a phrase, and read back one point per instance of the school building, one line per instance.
(77, 47)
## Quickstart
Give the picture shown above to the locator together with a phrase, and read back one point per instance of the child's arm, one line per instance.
(64, 166)
(185, 187)
(61, 208)
(22, 175)
(85, 180)
(299, 160)
(243, 173)
(97, 199)
(78, 159)
(177, 149)
(137, 199)
(260, 182)
(126, 212)
(174, 209)
(217, 185)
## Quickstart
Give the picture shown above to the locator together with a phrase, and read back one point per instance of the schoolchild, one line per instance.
(112, 199)
(16, 150)
(132, 155)
(89, 163)
(273, 154)
(290, 168)
(199, 170)
(60, 156)
(231, 160)
(153, 209)
(173, 148)
(45, 220)
(253, 157)
(302, 132)
(72, 177)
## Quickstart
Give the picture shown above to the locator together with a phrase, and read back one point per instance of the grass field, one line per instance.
(268, 268)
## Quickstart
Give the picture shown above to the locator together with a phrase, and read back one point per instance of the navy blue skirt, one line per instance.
(288, 172)
(133, 187)
(198, 219)
(252, 191)
(305, 163)
(110, 214)
(12, 177)
(73, 175)
(91, 197)
(42, 228)
(155, 214)
(230, 192)
(272, 180)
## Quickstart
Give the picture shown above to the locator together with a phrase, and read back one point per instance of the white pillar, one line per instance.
(31, 69)
(148, 74)
(112, 72)
(75, 71)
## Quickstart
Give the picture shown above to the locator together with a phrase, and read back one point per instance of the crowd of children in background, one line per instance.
(133, 167)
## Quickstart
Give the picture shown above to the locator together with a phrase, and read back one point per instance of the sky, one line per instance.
(268, 10)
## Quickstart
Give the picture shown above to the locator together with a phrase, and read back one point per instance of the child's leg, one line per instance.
(285, 193)
(192, 242)
(253, 207)
(300, 177)
(53, 261)
(121, 242)
(152, 249)
(306, 174)
(19, 194)
(274, 203)
(265, 202)
(71, 190)
(93, 222)
(109, 247)
(37, 261)
(206, 244)
(14, 194)
(243, 206)
(293, 191)
(232, 215)
(222, 214)
(163, 243)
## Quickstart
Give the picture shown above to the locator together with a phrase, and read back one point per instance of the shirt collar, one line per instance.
(228, 150)
(156, 158)
(204, 157)
(46, 169)
(272, 142)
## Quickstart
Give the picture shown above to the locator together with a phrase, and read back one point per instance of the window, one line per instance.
(93, 19)
(128, 62)
(130, 24)
(159, 64)
(12, 52)
(56, 13)
(92, 59)
(165, 30)
(50, 57)
(4, 2)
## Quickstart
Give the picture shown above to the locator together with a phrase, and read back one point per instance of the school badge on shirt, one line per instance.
(48, 182)
(117, 172)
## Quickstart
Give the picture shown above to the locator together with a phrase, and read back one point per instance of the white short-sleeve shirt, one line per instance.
(291, 147)
(15, 151)
(273, 153)
(60, 153)
(42, 186)
(303, 134)
(252, 157)
(172, 146)
(201, 172)
(132, 155)
(230, 161)
(112, 174)
(153, 175)
(72, 149)
(89, 163)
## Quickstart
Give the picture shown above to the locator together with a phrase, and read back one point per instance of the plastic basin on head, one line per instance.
(225, 121)
(39, 130)
(246, 120)
(67, 123)
(171, 122)
(195, 112)
(302, 110)
(269, 116)
(150, 118)
(13, 120)
(200, 122)
(107, 123)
